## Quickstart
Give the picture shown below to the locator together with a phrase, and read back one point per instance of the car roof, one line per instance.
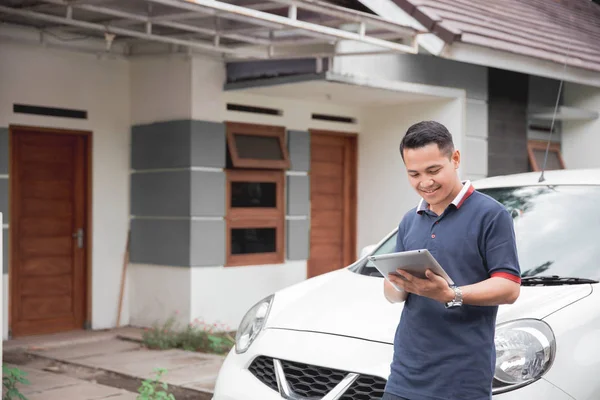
(556, 177)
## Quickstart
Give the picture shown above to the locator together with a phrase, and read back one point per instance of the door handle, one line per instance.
(79, 236)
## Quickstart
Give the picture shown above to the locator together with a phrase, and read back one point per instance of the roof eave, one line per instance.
(485, 56)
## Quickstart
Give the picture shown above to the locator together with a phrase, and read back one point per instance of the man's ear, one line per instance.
(456, 159)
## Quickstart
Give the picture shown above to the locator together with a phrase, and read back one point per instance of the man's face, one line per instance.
(432, 173)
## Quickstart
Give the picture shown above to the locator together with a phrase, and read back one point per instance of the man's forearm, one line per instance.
(393, 295)
(491, 292)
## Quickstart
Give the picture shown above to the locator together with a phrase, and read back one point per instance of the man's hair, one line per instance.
(426, 132)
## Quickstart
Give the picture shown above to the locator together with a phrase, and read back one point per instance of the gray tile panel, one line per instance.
(207, 193)
(298, 195)
(160, 241)
(4, 196)
(3, 151)
(297, 239)
(161, 145)
(163, 194)
(207, 243)
(208, 147)
(299, 150)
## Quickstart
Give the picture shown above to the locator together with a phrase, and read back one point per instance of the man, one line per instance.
(444, 345)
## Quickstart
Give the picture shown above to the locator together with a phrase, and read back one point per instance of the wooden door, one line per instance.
(333, 201)
(48, 231)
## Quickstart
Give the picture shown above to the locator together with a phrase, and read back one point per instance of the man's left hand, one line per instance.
(433, 286)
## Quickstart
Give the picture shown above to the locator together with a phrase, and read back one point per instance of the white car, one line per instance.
(331, 337)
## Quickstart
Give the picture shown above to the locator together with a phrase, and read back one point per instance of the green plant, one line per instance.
(161, 336)
(196, 336)
(154, 389)
(10, 378)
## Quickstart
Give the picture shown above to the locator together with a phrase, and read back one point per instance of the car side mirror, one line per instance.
(367, 250)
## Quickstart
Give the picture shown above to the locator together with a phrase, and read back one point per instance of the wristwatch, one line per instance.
(458, 299)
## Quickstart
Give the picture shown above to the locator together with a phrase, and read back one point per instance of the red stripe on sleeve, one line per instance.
(508, 276)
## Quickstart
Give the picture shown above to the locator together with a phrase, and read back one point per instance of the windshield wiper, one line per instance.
(554, 280)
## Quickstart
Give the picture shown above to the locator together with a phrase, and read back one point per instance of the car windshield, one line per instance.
(557, 230)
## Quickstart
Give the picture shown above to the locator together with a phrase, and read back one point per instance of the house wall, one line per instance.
(385, 194)
(183, 271)
(508, 122)
(431, 70)
(34, 75)
(581, 139)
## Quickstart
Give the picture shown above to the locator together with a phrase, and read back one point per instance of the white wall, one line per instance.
(161, 89)
(384, 194)
(434, 71)
(581, 139)
(223, 295)
(59, 78)
(159, 292)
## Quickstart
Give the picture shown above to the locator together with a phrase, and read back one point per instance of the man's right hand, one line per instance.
(392, 294)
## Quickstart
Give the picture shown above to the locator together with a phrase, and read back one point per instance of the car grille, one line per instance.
(263, 369)
(311, 381)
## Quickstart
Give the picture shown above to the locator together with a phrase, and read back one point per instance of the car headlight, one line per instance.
(525, 350)
(252, 324)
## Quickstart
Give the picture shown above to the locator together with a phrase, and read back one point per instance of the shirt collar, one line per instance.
(460, 198)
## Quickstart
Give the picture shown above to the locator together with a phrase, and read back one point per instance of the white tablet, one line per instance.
(415, 262)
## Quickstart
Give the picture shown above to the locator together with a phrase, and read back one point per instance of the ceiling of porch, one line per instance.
(255, 29)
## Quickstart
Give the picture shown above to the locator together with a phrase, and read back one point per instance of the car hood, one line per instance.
(348, 304)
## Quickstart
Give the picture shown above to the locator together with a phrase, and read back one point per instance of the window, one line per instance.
(537, 153)
(257, 146)
(255, 217)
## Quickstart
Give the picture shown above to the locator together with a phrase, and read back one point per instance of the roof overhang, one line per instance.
(568, 71)
(328, 86)
(563, 113)
(233, 29)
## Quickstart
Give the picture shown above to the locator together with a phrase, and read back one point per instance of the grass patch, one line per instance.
(196, 336)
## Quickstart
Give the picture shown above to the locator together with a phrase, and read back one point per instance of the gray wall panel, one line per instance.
(298, 239)
(207, 243)
(4, 200)
(160, 242)
(299, 149)
(160, 193)
(208, 144)
(208, 194)
(431, 70)
(507, 123)
(542, 91)
(161, 145)
(298, 195)
(3, 151)
(5, 250)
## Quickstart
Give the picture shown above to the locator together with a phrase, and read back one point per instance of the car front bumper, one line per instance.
(236, 382)
(539, 390)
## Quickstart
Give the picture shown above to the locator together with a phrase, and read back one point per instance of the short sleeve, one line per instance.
(400, 237)
(500, 248)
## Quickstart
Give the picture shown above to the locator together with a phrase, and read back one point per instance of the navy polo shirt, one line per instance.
(442, 353)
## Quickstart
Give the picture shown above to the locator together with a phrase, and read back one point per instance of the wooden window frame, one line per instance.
(250, 217)
(233, 128)
(542, 145)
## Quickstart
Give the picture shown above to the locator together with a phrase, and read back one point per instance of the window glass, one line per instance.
(258, 147)
(253, 240)
(553, 160)
(254, 194)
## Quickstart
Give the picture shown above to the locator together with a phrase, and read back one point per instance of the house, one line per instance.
(236, 148)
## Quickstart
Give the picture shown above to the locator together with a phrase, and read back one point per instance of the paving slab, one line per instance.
(83, 350)
(50, 386)
(41, 381)
(192, 373)
(81, 391)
